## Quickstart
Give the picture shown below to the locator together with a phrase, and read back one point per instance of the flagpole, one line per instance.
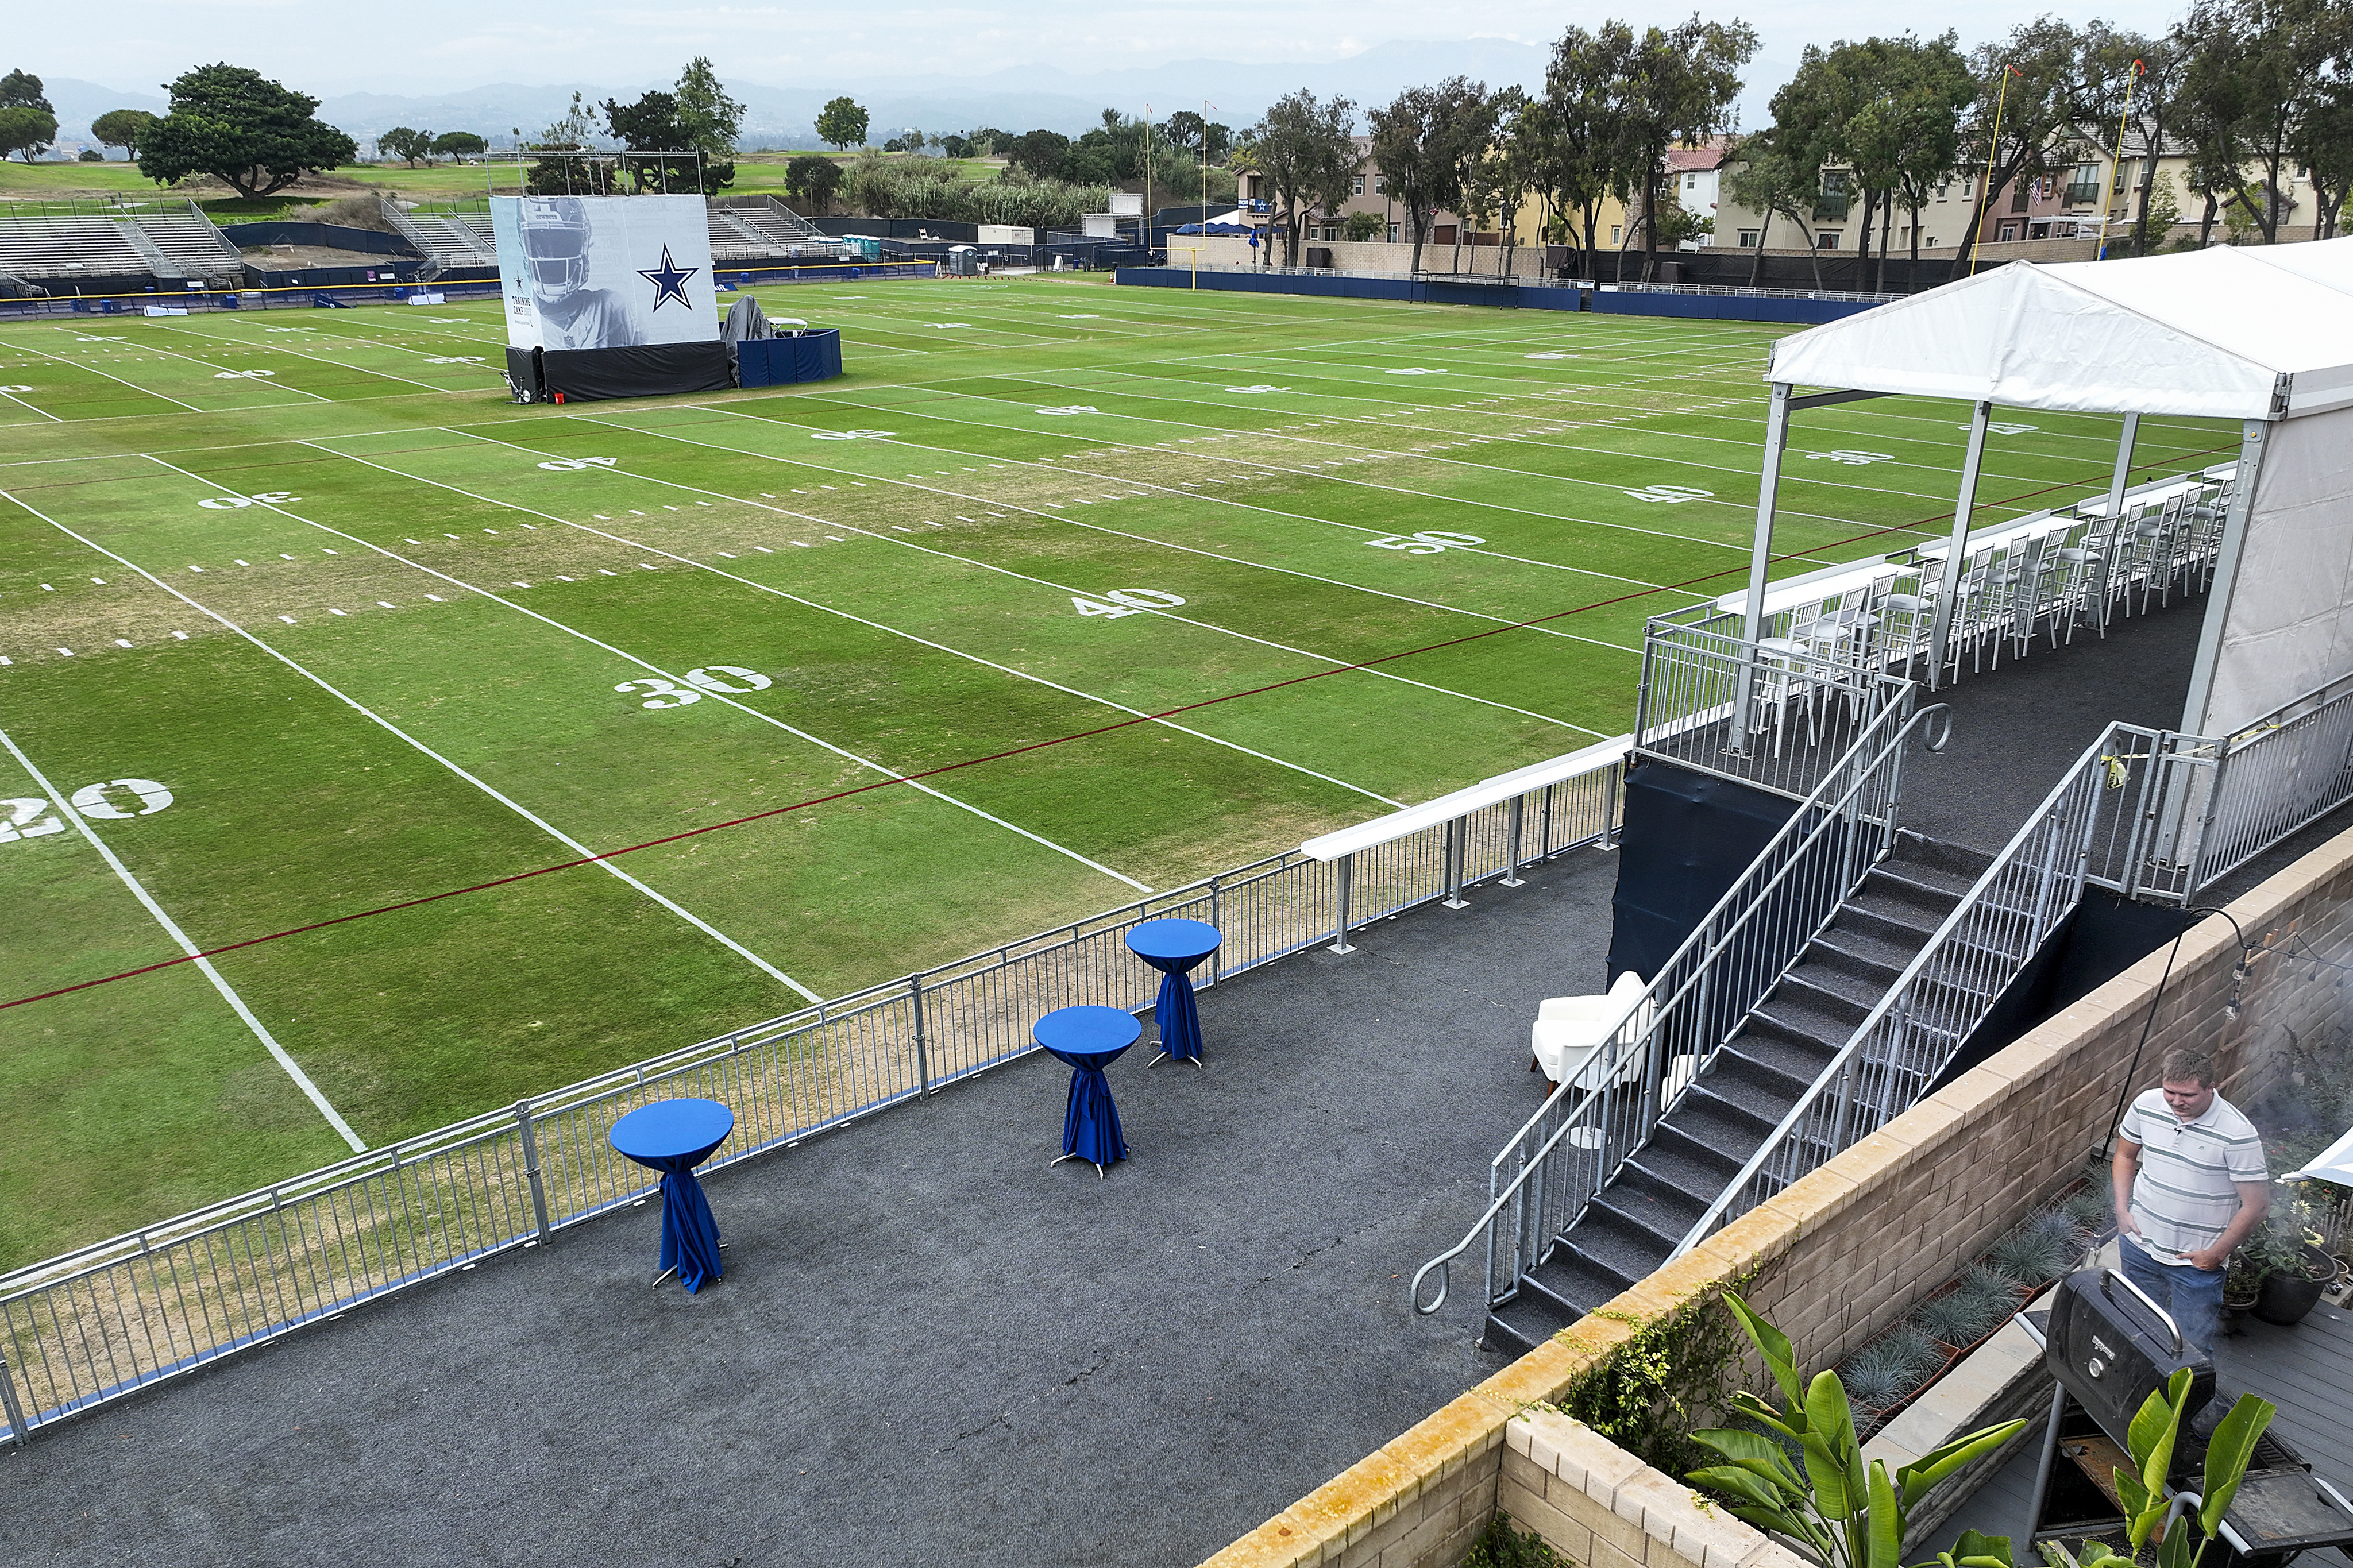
(1993, 146)
(2122, 120)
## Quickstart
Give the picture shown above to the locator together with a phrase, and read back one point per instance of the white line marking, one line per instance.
(171, 926)
(647, 665)
(398, 733)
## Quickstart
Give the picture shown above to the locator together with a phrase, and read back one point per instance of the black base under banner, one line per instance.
(590, 375)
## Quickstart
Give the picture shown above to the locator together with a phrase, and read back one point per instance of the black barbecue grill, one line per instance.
(2110, 1347)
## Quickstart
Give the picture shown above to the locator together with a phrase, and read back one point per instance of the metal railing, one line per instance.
(2284, 769)
(1611, 1099)
(2097, 827)
(1742, 290)
(103, 1322)
(1775, 716)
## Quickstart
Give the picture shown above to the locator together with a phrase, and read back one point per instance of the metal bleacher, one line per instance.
(176, 241)
(446, 240)
(758, 228)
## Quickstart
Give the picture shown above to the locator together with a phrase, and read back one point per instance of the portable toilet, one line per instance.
(964, 261)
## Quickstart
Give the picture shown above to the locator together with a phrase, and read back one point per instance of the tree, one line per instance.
(572, 132)
(412, 146)
(26, 132)
(239, 126)
(842, 125)
(1772, 181)
(1041, 154)
(29, 120)
(1679, 88)
(1364, 226)
(1416, 139)
(1580, 146)
(2257, 70)
(812, 180)
(2044, 105)
(2323, 145)
(460, 144)
(1308, 155)
(712, 121)
(657, 123)
(1199, 140)
(1904, 137)
(123, 128)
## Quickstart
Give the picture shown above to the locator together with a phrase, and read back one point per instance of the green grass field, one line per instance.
(381, 635)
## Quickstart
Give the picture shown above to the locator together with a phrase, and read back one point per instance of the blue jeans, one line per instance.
(2194, 1295)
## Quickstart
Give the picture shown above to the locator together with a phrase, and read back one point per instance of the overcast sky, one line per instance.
(432, 46)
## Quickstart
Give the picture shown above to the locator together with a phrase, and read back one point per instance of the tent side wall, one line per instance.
(2287, 623)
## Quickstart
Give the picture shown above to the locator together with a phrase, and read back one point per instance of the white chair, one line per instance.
(1572, 1033)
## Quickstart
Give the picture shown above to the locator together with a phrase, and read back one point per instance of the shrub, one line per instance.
(1499, 1546)
(1961, 1316)
(2028, 1256)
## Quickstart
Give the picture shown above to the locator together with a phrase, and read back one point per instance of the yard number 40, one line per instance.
(1126, 602)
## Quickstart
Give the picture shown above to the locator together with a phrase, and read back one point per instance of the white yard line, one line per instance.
(144, 391)
(64, 805)
(32, 409)
(1019, 576)
(653, 669)
(346, 364)
(402, 735)
(858, 619)
(230, 373)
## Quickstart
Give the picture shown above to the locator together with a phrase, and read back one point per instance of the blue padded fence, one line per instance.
(1523, 295)
(781, 361)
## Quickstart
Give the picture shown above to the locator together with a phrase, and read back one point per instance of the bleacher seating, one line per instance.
(180, 244)
(756, 228)
(447, 239)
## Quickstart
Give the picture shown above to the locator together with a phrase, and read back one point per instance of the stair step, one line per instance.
(1615, 1247)
(1519, 1326)
(1922, 889)
(1794, 1011)
(1957, 859)
(1799, 1058)
(1707, 1117)
(1661, 1208)
(1673, 1156)
(1571, 1285)
(1749, 1082)
(1832, 989)
(1900, 921)
(1871, 958)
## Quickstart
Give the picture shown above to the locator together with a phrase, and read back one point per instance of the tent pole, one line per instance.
(1761, 556)
(2194, 714)
(1769, 487)
(1957, 554)
(2124, 470)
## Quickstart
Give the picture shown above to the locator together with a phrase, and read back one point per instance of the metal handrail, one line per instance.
(2065, 859)
(1806, 827)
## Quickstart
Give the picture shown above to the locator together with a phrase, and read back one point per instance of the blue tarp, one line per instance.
(1213, 228)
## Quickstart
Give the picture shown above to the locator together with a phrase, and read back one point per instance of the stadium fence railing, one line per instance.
(108, 1319)
(390, 291)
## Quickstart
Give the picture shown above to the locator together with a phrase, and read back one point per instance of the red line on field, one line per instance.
(994, 756)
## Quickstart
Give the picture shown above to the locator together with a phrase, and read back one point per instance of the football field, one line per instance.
(320, 657)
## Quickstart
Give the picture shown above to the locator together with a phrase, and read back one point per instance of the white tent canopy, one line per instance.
(2261, 336)
(2220, 332)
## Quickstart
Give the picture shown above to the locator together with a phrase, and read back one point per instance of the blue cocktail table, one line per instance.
(1174, 947)
(1089, 1039)
(674, 1136)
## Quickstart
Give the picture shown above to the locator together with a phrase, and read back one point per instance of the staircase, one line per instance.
(1640, 1217)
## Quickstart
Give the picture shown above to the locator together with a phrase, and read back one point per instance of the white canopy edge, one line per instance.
(2335, 1164)
(2223, 332)
(1463, 802)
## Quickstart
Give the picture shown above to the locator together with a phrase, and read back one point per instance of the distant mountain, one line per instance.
(1012, 100)
(79, 102)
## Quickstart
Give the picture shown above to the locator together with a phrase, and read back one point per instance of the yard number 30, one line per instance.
(669, 694)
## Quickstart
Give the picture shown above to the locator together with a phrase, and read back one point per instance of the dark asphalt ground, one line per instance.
(929, 1348)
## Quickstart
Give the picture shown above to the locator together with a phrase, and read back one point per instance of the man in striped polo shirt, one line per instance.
(2191, 1184)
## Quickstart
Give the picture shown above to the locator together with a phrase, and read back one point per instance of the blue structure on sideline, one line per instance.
(1508, 296)
(781, 361)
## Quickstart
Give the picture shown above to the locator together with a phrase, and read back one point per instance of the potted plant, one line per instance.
(2285, 1254)
(2242, 1283)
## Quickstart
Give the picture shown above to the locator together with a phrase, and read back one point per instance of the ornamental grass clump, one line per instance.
(1961, 1316)
(2028, 1257)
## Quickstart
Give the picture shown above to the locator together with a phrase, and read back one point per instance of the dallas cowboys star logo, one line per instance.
(669, 280)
